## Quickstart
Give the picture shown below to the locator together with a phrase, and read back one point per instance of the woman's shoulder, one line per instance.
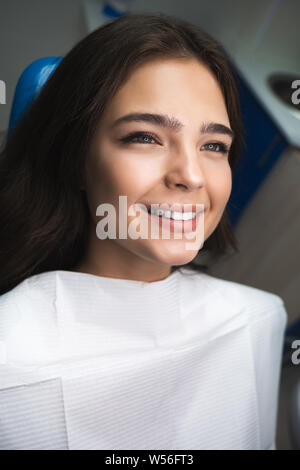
(257, 303)
(34, 288)
(30, 304)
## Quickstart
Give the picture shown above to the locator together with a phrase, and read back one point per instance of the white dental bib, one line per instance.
(188, 362)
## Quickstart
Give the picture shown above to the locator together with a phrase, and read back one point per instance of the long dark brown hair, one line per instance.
(44, 216)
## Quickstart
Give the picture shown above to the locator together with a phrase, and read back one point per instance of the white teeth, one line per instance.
(173, 214)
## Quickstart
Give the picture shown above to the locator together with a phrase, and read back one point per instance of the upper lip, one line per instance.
(186, 207)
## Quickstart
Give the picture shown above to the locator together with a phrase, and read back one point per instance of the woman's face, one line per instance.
(168, 165)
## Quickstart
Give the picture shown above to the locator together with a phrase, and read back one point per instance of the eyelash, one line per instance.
(129, 138)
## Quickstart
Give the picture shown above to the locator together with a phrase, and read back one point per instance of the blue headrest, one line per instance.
(29, 84)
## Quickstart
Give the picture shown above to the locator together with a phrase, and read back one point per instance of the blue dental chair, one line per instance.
(29, 85)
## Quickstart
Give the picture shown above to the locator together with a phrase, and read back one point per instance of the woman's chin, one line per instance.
(174, 254)
(164, 252)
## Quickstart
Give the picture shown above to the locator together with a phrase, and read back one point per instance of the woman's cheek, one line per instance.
(219, 185)
(136, 175)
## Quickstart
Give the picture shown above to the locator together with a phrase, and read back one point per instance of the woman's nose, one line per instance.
(185, 170)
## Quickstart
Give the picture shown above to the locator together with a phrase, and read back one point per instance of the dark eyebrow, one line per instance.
(173, 123)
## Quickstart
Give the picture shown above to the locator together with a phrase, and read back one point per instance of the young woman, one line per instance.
(120, 341)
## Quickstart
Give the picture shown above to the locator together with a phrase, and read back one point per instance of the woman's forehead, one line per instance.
(184, 94)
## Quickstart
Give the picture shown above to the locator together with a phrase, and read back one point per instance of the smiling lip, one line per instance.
(173, 225)
(188, 207)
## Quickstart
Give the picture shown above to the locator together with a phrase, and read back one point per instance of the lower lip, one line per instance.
(179, 226)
